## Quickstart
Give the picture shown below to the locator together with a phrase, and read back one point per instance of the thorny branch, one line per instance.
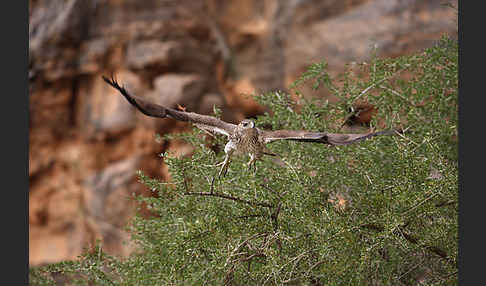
(410, 238)
(239, 256)
(221, 195)
(237, 252)
(276, 212)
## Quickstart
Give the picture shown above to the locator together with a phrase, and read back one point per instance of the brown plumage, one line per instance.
(243, 138)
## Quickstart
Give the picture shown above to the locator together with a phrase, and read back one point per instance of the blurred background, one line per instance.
(86, 142)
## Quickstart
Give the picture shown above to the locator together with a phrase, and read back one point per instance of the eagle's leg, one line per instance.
(224, 167)
(252, 162)
(225, 164)
(228, 150)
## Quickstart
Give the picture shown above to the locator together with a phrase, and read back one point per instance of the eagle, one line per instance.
(244, 137)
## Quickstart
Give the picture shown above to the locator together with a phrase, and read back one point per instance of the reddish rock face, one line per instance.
(86, 142)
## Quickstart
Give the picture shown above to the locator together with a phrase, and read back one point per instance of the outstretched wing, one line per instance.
(320, 137)
(205, 122)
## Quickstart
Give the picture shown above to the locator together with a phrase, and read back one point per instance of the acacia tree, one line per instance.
(380, 212)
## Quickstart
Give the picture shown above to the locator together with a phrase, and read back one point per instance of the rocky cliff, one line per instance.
(86, 142)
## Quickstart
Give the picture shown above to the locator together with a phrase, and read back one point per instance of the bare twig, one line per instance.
(245, 242)
(398, 94)
(370, 87)
(251, 216)
(420, 203)
(186, 187)
(295, 261)
(445, 203)
(237, 252)
(252, 256)
(288, 281)
(410, 270)
(378, 82)
(228, 197)
(211, 189)
(449, 275)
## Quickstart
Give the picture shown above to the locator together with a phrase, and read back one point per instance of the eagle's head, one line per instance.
(246, 124)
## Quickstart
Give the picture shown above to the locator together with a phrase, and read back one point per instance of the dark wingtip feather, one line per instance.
(115, 84)
(111, 81)
(146, 108)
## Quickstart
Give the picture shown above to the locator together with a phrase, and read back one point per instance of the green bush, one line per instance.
(380, 212)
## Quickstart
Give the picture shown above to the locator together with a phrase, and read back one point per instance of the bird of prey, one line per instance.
(243, 138)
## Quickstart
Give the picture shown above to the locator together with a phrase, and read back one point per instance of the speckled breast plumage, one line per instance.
(247, 141)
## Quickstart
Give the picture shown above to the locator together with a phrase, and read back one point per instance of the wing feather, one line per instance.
(320, 137)
(208, 123)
